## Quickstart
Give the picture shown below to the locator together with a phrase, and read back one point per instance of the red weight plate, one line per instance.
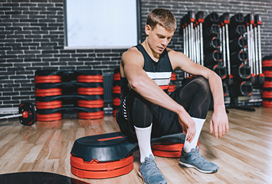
(90, 78)
(164, 87)
(267, 63)
(266, 94)
(91, 103)
(116, 89)
(48, 105)
(90, 115)
(114, 112)
(49, 117)
(116, 77)
(48, 92)
(267, 73)
(267, 103)
(267, 84)
(47, 79)
(116, 101)
(90, 91)
(171, 88)
(173, 76)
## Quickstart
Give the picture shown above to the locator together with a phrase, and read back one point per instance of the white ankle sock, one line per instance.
(144, 142)
(198, 124)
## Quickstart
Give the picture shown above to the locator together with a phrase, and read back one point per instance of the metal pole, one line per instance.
(201, 46)
(228, 54)
(260, 49)
(11, 116)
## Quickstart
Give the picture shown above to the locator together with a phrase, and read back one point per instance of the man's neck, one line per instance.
(155, 56)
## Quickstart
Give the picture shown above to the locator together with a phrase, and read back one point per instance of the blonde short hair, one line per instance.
(163, 17)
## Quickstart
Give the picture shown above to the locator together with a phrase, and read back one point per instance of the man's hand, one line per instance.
(219, 122)
(188, 125)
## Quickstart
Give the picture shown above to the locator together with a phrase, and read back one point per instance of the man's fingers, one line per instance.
(227, 128)
(211, 127)
(223, 130)
(216, 131)
(220, 131)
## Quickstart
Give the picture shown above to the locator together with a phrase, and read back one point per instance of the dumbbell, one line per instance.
(27, 114)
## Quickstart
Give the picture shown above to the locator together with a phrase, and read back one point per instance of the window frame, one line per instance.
(138, 22)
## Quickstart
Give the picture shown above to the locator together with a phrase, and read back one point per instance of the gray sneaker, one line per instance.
(150, 173)
(197, 161)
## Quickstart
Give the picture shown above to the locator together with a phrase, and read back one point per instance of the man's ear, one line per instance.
(147, 29)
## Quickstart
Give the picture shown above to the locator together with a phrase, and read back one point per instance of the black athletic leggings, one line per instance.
(194, 96)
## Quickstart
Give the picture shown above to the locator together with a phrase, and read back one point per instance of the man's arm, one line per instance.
(132, 68)
(219, 120)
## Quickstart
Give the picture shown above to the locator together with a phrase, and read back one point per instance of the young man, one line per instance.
(146, 110)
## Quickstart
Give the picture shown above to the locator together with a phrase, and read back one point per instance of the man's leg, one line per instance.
(142, 117)
(195, 98)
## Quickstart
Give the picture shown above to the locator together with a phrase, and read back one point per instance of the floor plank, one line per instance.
(244, 154)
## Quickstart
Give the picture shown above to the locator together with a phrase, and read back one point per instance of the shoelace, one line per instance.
(151, 166)
(199, 157)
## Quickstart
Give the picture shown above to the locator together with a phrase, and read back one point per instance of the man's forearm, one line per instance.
(216, 87)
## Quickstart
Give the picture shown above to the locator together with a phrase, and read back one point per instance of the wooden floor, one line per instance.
(244, 155)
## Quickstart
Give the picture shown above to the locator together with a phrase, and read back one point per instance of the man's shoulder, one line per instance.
(174, 54)
(132, 53)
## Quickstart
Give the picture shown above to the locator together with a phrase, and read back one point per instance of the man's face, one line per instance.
(158, 38)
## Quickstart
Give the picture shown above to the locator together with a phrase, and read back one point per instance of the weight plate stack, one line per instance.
(116, 91)
(267, 87)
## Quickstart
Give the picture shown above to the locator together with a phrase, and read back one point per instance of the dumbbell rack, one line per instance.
(64, 91)
(226, 50)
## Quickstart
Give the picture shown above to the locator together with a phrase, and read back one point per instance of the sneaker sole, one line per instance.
(140, 174)
(192, 166)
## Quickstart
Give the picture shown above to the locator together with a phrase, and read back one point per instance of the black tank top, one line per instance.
(160, 71)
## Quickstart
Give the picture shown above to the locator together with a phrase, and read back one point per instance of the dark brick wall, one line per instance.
(32, 38)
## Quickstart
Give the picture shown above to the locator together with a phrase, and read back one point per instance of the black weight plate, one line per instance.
(30, 109)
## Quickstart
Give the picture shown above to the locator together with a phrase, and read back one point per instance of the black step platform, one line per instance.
(110, 155)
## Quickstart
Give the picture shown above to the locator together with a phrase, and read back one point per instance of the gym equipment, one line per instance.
(200, 21)
(236, 19)
(116, 91)
(238, 58)
(211, 45)
(46, 76)
(211, 19)
(191, 27)
(257, 29)
(237, 32)
(238, 44)
(212, 58)
(220, 70)
(241, 72)
(225, 20)
(249, 22)
(172, 86)
(78, 90)
(211, 31)
(27, 114)
(109, 155)
(243, 88)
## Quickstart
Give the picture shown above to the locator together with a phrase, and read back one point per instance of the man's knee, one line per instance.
(203, 83)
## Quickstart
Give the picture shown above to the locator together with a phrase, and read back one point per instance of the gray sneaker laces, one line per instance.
(151, 166)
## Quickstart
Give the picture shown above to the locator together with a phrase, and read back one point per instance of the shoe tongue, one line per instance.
(150, 158)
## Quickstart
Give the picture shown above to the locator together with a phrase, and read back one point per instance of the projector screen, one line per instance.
(101, 23)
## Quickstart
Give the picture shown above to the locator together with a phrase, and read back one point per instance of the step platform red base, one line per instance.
(100, 170)
(109, 155)
(170, 150)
